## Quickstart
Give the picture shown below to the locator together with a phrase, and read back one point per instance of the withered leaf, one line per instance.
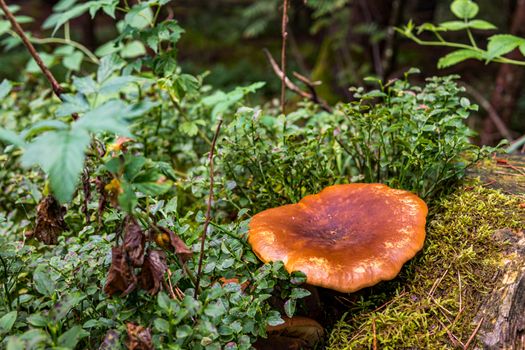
(153, 271)
(134, 241)
(49, 221)
(120, 274)
(139, 338)
(177, 244)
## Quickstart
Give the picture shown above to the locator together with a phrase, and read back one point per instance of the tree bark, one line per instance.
(509, 82)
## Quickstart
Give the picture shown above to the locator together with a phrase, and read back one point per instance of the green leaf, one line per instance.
(61, 155)
(72, 104)
(115, 84)
(65, 305)
(464, 9)
(42, 126)
(481, 24)
(133, 49)
(502, 44)
(57, 20)
(108, 65)
(127, 199)
(5, 88)
(458, 56)
(106, 117)
(48, 60)
(7, 321)
(289, 307)
(522, 49)
(139, 17)
(274, 318)
(14, 343)
(73, 61)
(85, 85)
(71, 338)
(4, 27)
(12, 138)
(44, 284)
(453, 25)
(161, 325)
(298, 293)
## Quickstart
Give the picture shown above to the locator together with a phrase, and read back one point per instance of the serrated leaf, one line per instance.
(139, 17)
(108, 65)
(57, 20)
(481, 24)
(109, 116)
(85, 85)
(458, 56)
(72, 104)
(502, 44)
(42, 126)
(464, 9)
(115, 84)
(61, 155)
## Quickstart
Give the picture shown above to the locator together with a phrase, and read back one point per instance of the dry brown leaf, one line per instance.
(120, 274)
(134, 241)
(153, 271)
(177, 244)
(139, 338)
(49, 221)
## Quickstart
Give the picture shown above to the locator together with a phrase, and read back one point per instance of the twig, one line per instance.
(284, 22)
(54, 83)
(376, 55)
(467, 344)
(291, 86)
(208, 209)
(453, 339)
(436, 284)
(493, 115)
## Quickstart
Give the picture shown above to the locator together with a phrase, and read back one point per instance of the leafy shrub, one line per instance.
(406, 136)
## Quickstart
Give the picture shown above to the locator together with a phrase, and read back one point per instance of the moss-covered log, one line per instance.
(466, 289)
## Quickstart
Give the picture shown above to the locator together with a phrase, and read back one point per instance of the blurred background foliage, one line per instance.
(338, 42)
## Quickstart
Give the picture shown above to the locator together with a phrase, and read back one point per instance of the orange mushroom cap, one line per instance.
(346, 237)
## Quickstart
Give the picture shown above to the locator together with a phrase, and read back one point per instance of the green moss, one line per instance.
(438, 293)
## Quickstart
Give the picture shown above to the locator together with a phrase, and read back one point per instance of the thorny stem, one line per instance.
(208, 209)
(283, 53)
(54, 83)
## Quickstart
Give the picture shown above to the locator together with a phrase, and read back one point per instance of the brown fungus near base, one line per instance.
(346, 237)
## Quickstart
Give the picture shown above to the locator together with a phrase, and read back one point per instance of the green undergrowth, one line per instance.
(443, 286)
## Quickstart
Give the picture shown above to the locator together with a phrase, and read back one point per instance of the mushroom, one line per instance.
(347, 237)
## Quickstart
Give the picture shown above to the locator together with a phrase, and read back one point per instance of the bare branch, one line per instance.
(284, 34)
(208, 209)
(291, 86)
(18, 29)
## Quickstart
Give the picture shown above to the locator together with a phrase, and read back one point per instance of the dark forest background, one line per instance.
(338, 42)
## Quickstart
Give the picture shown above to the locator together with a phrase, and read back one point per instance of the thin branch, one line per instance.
(291, 86)
(473, 335)
(493, 114)
(54, 83)
(208, 209)
(284, 22)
